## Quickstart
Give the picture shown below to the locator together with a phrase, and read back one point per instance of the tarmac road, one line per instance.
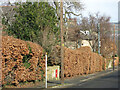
(107, 81)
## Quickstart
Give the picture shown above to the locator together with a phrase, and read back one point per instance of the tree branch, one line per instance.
(73, 13)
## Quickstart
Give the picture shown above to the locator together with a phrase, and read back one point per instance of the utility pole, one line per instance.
(114, 49)
(99, 43)
(62, 42)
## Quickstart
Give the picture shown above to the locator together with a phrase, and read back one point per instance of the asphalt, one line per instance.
(107, 81)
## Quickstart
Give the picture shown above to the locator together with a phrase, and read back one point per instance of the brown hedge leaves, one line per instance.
(81, 61)
(14, 70)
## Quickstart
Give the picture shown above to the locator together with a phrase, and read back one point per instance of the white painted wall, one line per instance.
(85, 43)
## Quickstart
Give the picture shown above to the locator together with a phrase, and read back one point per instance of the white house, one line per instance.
(86, 43)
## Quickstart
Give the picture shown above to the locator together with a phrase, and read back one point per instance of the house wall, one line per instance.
(86, 43)
(82, 43)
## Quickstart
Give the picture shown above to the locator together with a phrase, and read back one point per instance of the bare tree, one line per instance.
(69, 8)
(90, 24)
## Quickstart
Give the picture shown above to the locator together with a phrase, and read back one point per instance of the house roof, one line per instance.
(91, 36)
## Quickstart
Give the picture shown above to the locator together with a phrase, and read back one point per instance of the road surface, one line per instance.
(107, 81)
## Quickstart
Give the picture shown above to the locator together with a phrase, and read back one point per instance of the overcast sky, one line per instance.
(105, 7)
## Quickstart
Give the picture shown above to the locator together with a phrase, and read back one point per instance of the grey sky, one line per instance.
(105, 7)
(119, 11)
